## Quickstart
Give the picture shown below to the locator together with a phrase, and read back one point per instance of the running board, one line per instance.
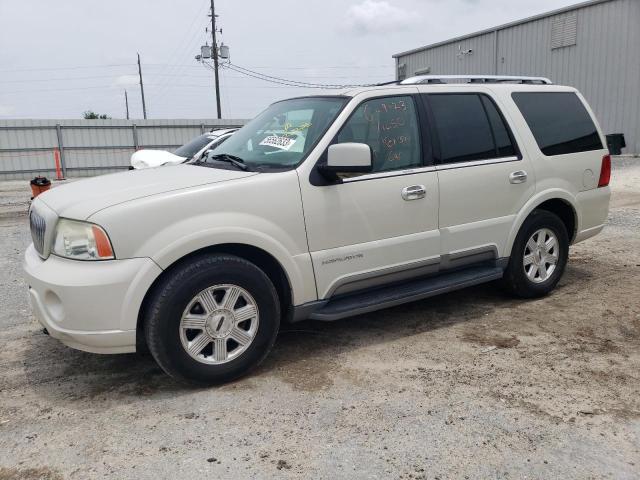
(371, 300)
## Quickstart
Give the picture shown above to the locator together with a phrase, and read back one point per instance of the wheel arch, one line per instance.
(258, 256)
(559, 202)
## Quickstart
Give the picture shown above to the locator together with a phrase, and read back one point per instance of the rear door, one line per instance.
(484, 178)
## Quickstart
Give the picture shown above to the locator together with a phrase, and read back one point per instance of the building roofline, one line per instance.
(539, 16)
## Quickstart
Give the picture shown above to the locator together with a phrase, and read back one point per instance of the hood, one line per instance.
(154, 158)
(81, 199)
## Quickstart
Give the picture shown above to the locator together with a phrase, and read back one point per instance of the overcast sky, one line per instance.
(58, 59)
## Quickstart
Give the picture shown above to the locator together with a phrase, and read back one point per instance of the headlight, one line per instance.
(81, 241)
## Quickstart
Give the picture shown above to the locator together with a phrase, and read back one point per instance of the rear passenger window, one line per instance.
(559, 122)
(469, 127)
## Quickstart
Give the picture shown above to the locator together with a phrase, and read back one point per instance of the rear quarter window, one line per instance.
(558, 121)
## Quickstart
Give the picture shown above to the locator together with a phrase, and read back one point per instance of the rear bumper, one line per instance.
(90, 306)
(593, 209)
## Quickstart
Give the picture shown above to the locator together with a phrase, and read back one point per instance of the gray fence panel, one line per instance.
(89, 147)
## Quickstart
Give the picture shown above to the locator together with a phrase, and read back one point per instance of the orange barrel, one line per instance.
(39, 185)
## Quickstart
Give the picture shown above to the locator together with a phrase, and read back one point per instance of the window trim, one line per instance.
(475, 163)
(470, 163)
(424, 137)
(390, 173)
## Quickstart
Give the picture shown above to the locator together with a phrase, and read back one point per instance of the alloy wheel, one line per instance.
(219, 324)
(541, 254)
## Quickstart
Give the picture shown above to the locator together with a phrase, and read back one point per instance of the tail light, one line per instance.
(605, 171)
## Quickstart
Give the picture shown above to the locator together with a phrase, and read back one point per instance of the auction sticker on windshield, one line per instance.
(283, 143)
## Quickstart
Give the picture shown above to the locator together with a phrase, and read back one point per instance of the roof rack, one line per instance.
(438, 79)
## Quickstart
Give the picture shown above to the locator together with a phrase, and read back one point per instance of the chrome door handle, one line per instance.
(414, 192)
(518, 177)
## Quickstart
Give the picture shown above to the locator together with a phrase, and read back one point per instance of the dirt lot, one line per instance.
(416, 391)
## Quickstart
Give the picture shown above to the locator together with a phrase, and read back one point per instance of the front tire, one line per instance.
(538, 257)
(212, 319)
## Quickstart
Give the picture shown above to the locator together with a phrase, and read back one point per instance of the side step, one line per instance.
(379, 298)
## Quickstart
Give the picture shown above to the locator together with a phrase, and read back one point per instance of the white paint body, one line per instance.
(147, 158)
(328, 239)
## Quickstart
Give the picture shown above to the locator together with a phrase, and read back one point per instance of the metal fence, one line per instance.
(89, 147)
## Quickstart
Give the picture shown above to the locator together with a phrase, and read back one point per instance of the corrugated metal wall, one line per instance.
(89, 147)
(447, 59)
(604, 63)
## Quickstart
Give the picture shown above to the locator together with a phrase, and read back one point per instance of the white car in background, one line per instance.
(192, 150)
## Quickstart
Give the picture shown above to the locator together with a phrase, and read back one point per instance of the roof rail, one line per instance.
(420, 79)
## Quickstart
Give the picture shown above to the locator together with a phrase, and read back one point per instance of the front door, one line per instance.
(382, 226)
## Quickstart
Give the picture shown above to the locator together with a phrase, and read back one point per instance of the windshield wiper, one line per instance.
(232, 159)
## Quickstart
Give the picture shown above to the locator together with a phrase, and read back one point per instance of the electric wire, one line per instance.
(289, 82)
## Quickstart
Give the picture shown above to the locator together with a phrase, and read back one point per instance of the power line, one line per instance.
(115, 88)
(59, 89)
(177, 75)
(276, 67)
(285, 81)
(66, 68)
(187, 40)
(187, 75)
(244, 70)
(196, 38)
(176, 65)
(31, 80)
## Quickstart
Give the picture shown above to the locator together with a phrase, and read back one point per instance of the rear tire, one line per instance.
(212, 319)
(538, 257)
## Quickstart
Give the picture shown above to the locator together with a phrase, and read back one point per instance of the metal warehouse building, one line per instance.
(593, 46)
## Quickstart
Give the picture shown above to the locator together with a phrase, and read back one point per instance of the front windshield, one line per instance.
(189, 149)
(283, 134)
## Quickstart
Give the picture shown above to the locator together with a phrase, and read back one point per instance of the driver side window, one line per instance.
(389, 125)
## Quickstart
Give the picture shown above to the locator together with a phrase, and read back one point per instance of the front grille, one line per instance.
(38, 227)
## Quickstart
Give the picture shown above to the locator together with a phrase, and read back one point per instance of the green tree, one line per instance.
(91, 115)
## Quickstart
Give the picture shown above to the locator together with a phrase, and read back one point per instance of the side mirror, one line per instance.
(347, 158)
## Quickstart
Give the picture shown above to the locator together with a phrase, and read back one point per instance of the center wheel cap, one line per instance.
(220, 323)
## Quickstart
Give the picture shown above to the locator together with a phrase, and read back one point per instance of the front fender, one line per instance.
(531, 205)
(262, 211)
(298, 268)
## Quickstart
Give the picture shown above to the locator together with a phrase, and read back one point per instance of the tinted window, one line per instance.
(390, 127)
(469, 127)
(502, 137)
(559, 122)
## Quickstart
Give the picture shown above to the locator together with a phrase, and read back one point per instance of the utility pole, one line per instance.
(126, 103)
(144, 106)
(215, 57)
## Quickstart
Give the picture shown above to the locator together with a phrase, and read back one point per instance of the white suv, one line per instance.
(320, 208)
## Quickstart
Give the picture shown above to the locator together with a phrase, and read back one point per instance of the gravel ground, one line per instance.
(413, 392)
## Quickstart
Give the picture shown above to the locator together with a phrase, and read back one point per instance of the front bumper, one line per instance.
(90, 306)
